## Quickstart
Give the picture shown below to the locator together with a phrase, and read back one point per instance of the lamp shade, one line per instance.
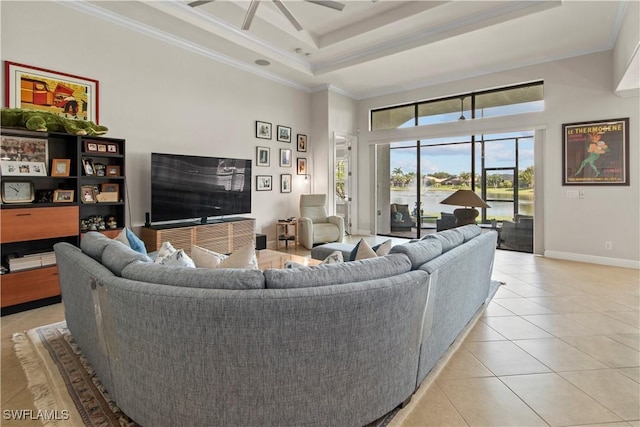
(465, 198)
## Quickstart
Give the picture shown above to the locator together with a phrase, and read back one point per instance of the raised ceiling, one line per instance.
(375, 47)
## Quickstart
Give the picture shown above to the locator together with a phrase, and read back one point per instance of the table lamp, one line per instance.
(470, 200)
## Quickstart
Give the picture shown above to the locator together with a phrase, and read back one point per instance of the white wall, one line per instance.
(626, 51)
(164, 99)
(576, 90)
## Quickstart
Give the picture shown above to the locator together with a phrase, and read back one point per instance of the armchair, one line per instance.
(401, 219)
(517, 235)
(315, 226)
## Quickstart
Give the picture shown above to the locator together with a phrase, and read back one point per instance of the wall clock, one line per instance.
(18, 192)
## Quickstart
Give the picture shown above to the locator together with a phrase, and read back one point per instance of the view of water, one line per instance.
(431, 202)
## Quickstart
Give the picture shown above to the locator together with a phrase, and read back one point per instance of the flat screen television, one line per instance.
(187, 187)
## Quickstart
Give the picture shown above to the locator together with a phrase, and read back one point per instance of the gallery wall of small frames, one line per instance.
(283, 134)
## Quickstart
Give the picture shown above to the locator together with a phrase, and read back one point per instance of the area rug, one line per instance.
(66, 390)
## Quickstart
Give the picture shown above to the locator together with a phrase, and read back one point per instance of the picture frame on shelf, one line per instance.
(263, 156)
(64, 94)
(302, 143)
(113, 188)
(113, 148)
(596, 152)
(302, 166)
(63, 196)
(283, 133)
(60, 167)
(99, 169)
(10, 168)
(87, 194)
(285, 158)
(263, 130)
(264, 183)
(91, 147)
(102, 148)
(87, 165)
(113, 170)
(285, 183)
(18, 148)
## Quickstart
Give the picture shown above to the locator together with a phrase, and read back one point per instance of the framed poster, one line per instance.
(35, 88)
(596, 153)
(263, 156)
(284, 133)
(17, 148)
(302, 166)
(285, 183)
(263, 130)
(264, 183)
(285, 158)
(302, 142)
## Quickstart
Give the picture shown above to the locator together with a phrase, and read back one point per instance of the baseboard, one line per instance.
(592, 259)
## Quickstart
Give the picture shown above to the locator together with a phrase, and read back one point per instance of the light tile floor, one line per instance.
(559, 345)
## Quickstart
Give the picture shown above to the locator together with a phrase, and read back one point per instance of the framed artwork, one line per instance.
(285, 183)
(263, 130)
(263, 156)
(91, 147)
(63, 196)
(10, 168)
(88, 167)
(284, 133)
(102, 148)
(285, 158)
(264, 183)
(596, 153)
(113, 170)
(302, 166)
(17, 148)
(87, 194)
(60, 167)
(302, 142)
(113, 149)
(36, 88)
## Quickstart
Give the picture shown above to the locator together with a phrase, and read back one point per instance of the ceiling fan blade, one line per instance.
(199, 3)
(251, 12)
(288, 14)
(328, 3)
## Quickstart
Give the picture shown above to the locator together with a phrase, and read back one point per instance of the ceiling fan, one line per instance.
(280, 5)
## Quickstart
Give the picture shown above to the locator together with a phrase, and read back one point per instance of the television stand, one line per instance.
(223, 236)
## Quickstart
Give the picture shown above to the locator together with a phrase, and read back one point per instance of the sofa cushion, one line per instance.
(206, 258)
(363, 250)
(93, 244)
(419, 252)
(449, 238)
(165, 250)
(337, 274)
(469, 231)
(219, 278)
(117, 256)
(245, 258)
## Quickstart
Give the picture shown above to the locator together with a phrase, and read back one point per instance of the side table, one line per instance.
(287, 231)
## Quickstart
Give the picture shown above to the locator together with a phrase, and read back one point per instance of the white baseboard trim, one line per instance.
(615, 262)
(361, 233)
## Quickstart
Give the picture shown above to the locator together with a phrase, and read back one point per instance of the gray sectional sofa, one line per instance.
(336, 344)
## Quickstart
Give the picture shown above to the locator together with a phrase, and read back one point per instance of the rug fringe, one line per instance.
(37, 376)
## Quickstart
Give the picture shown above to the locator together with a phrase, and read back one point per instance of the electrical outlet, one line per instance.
(608, 245)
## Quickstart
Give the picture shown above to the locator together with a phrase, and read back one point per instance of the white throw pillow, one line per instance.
(383, 248)
(206, 258)
(122, 237)
(178, 259)
(165, 250)
(334, 257)
(245, 257)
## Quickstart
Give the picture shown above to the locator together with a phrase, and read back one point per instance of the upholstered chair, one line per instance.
(315, 226)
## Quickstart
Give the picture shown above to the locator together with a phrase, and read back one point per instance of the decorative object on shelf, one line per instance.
(42, 121)
(88, 167)
(302, 166)
(91, 147)
(99, 169)
(37, 88)
(264, 183)
(285, 183)
(112, 190)
(302, 142)
(263, 156)
(102, 148)
(470, 200)
(60, 167)
(87, 194)
(18, 192)
(112, 223)
(284, 133)
(113, 170)
(113, 149)
(596, 153)
(63, 196)
(44, 196)
(263, 130)
(285, 158)
(17, 148)
(95, 223)
(10, 168)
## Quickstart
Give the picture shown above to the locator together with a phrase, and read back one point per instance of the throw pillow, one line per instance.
(362, 251)
(165, 250)
(334, 257)
(122, 237)
(206, 258)
(383, 248)
(177, 259)
(134, 242)
(245, 257)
